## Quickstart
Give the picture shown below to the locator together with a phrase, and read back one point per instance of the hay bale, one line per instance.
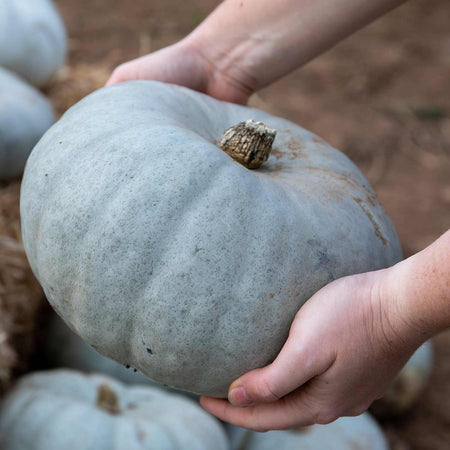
(20, 294)
(21, 297)
(73, 82)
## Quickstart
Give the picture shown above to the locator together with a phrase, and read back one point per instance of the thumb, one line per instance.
(293, 367)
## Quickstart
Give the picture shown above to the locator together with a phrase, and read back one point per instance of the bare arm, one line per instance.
(245, 45)
(422, 287)
(258, 41)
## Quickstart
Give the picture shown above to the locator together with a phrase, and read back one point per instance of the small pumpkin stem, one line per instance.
(248, 143)
(107, 399)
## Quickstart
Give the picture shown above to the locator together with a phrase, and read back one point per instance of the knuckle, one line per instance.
(286, 426)
(327, 416)
(118, 72)
(254, 422)
(264, 390)
(358, 409)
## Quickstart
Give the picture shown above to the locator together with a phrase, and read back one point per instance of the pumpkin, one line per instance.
(25, 114)
(346, 433)
(63, 348)
(65, 409)
(409, 384)
(166, 254)
(32, 39)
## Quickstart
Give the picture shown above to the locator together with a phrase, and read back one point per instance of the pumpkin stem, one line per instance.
(249, 143)
(107, 399)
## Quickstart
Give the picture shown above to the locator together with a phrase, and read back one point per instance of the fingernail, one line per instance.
(238, 397)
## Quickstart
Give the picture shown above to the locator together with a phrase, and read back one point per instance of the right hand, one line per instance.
(184, 64)
(345, 346)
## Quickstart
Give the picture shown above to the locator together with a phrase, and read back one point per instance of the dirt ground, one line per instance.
(380, 96)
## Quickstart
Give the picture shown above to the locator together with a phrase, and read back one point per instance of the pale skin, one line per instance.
(349, 341)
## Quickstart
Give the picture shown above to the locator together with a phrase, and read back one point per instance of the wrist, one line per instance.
(419, 288)
(225, 76)
(400, 302)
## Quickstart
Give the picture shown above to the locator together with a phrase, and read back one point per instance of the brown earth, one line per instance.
(380, 96)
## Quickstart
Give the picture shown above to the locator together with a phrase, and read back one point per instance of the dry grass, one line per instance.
(20, 294)
(73, 82)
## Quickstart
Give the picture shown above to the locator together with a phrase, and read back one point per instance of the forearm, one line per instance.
(259, 41)
(422, 286)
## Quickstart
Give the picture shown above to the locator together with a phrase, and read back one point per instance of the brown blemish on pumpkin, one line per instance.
(332, 174)
(277, 168)
(370, 216)
(294, 149)
(141, 435)
(277, 153)
(319, 140)
(370, 197)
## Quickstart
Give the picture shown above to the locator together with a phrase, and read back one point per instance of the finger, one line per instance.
(124, 72)
(294, 366)
(115, 78)
(283, 414)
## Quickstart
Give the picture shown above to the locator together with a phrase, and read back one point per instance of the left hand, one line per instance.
(346, 345)
(185, 64)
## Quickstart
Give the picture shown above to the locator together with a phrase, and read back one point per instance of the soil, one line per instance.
(380, 96)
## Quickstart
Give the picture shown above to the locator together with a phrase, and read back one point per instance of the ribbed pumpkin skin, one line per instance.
(64, 348)
(346, 433)
(25, 115)
(57, 410)
(165, 254)
(32, 38)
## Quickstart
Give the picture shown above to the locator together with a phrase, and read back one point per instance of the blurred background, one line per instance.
(381, 96)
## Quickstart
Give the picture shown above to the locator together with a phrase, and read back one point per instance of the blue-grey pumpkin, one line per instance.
(166, 254)
(32, 39)
(66, 410)
(64, 348)
(346, 433)
(25, 115)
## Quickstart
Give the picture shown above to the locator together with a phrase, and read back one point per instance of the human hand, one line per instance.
(346, 345)
(184, 64)
(242, 47)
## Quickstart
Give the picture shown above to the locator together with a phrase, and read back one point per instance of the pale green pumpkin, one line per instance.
(32, 39)
(346, 433)
(167, 255)
(25, 114)
(66, 410)
(64, 348)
